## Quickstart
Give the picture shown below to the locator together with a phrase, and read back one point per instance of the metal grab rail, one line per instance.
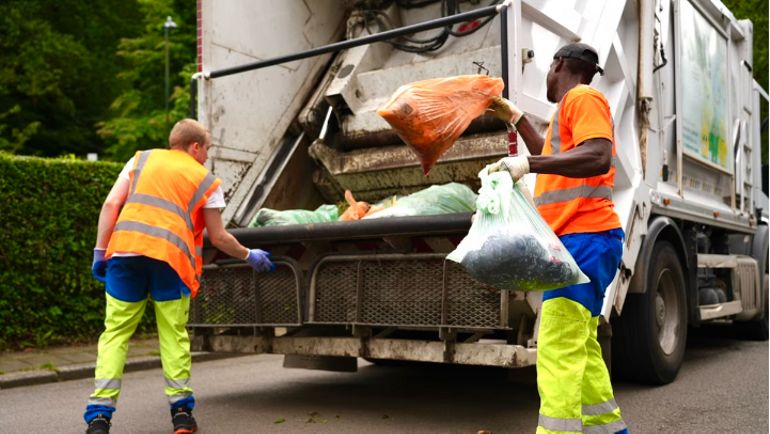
(388, 34)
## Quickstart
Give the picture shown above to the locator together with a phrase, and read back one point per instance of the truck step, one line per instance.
(717, 261)
(720, 310)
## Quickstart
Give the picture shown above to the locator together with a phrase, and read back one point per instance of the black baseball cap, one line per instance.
(581, 51)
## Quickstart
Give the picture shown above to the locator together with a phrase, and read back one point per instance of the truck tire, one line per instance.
(651, 334)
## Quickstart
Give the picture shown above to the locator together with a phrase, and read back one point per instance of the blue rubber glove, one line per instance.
(260, 260)
(99, 266)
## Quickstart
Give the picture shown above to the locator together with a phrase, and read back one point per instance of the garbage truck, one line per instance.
(290, 90)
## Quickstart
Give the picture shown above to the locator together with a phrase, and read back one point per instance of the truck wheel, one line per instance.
(652, 331)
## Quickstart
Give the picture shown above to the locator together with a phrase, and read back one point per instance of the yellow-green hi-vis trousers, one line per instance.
(572, 379)
(120, 323)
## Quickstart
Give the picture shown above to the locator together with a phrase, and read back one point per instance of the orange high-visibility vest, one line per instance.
(578, 205)
(162, 217)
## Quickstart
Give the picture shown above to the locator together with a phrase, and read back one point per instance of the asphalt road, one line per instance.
(722, 388)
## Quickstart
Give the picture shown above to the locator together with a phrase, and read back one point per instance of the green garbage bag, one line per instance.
(434, 200)
(271, 217)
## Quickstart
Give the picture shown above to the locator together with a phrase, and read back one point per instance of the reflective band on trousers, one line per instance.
(107, 402)
(556, 424)
(178, 397)
(610, 428)
(567, 194)
(178, 384)
(157, 232)
(604, 407)
(107, 383)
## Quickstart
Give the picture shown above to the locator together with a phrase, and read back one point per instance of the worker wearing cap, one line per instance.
(148, 245)
(573, 193)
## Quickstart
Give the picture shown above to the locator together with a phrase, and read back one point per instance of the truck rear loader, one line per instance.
(290, 91)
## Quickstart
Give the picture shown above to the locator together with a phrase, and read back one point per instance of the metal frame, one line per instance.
(382, 36)
(285, 261)
(503, 312)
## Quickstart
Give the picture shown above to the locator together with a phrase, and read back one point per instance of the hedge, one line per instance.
(48, 212)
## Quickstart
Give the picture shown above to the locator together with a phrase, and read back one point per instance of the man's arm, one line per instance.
(590, 158)
(110, 211)
(507, 111)
(219, 237)
(532, 138)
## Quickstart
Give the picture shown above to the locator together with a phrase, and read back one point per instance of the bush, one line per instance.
(48, 212)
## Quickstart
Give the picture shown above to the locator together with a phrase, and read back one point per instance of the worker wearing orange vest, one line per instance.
(149, 242)
(573, 193)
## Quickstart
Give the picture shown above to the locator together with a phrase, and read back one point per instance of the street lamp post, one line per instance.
(169, 24)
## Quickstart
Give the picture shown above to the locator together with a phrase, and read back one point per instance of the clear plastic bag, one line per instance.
(509, 246)
(430, 115)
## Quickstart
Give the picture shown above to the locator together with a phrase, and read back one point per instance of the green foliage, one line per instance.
(58, 76)
(49, 212)
(137, 116)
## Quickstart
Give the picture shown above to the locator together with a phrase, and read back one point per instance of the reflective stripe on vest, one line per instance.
(146, 199)
(556, 138)
(589, 191)
(556, 424)
(143, 156)
(207, 182)
(157, 232)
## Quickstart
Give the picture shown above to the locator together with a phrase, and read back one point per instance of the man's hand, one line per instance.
(99, 266)
(517, 166)
(260, 260)
(505, 110)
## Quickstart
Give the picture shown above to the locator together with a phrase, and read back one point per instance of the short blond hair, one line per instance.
(186, 132)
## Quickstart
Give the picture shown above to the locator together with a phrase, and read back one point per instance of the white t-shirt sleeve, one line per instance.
(217, 199)
(126, 170)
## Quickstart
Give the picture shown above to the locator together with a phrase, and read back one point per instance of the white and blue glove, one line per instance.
(260, 260)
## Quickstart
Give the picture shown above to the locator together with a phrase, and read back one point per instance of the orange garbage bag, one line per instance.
(356, 210)
(430, 115)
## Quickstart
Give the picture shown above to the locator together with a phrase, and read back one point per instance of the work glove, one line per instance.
(505, 110)
(260, 260)
(99, 266)
(517, 166)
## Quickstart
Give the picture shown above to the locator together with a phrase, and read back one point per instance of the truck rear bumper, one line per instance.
(477, 353)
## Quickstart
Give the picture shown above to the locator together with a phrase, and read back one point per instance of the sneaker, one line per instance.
(99, 425)
(183, 420)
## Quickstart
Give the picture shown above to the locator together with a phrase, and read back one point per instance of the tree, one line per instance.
(60, 79)
(137, 116)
